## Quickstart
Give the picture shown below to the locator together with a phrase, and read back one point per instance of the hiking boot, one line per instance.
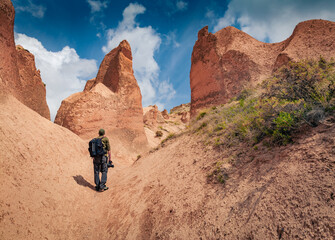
(97, 188)
(103, 189)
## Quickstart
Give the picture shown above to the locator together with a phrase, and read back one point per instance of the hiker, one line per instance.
(100, 164)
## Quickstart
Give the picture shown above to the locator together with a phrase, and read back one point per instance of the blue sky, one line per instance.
(69, 38)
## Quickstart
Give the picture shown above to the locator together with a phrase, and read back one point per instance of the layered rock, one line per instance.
(183, 111)
(182, 108)
(152, 116)
(165, 114)
(159, 125)
(18, 74)
(112, 101)
(225, 62)
(9, 73)
(32, 90)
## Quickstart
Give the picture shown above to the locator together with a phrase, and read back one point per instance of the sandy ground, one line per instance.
(47, 190)
(282, 193)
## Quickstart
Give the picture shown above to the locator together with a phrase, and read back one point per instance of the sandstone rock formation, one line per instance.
(9, 73)
(18, 74)
(165, 114)
(185, 107)
(185, 117)
(32, 90)
(152, 116)
(112, 101)
(164, 123)
(225, 62)
(310, 40)
(183, 111)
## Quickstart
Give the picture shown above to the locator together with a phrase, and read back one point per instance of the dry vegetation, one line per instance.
(300, 93)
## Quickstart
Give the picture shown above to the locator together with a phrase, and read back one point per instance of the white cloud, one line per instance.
(171, 39)
(274, 20)
(166, 91)
(144, 42)
(210, 14)
(173, 7)
(35, 10)
(63, 72)
(181, 5)
(97, 6)
(97, 14)
(129, 14)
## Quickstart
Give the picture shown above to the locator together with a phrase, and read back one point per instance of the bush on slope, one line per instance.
(302, 92)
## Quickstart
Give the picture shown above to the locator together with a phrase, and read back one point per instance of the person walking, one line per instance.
(100, 164)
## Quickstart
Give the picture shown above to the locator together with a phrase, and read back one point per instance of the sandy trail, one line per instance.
(46, 192)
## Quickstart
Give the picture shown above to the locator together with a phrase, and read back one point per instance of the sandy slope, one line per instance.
(284, 193)
(46, 188)
(45, 178)
(280, 193)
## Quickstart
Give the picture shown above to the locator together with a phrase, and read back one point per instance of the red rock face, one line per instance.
(9, 74)
(183, 111)
(32, 89)
(225, 62)
(185, 117)
(18, 74)
(112, 101)
(117, 65)
(165, 114)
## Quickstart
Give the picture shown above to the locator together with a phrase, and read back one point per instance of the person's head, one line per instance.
(101, 132)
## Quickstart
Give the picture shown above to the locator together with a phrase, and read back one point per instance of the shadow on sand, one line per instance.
(82, 182)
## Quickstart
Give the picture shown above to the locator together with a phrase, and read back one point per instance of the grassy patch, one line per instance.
(170, 136)
(201, 115)
(203, 125)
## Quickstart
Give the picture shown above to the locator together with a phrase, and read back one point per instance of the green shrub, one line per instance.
(284, 124)
(310, 81)
(204, 124)
(170, 136)
(159, 133)
(201, 115)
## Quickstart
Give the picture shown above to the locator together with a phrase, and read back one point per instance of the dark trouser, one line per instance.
(100, 165)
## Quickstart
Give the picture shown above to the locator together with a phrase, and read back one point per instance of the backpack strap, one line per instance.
(104, 145)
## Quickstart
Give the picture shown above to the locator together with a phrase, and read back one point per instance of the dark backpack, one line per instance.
(96, 147)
